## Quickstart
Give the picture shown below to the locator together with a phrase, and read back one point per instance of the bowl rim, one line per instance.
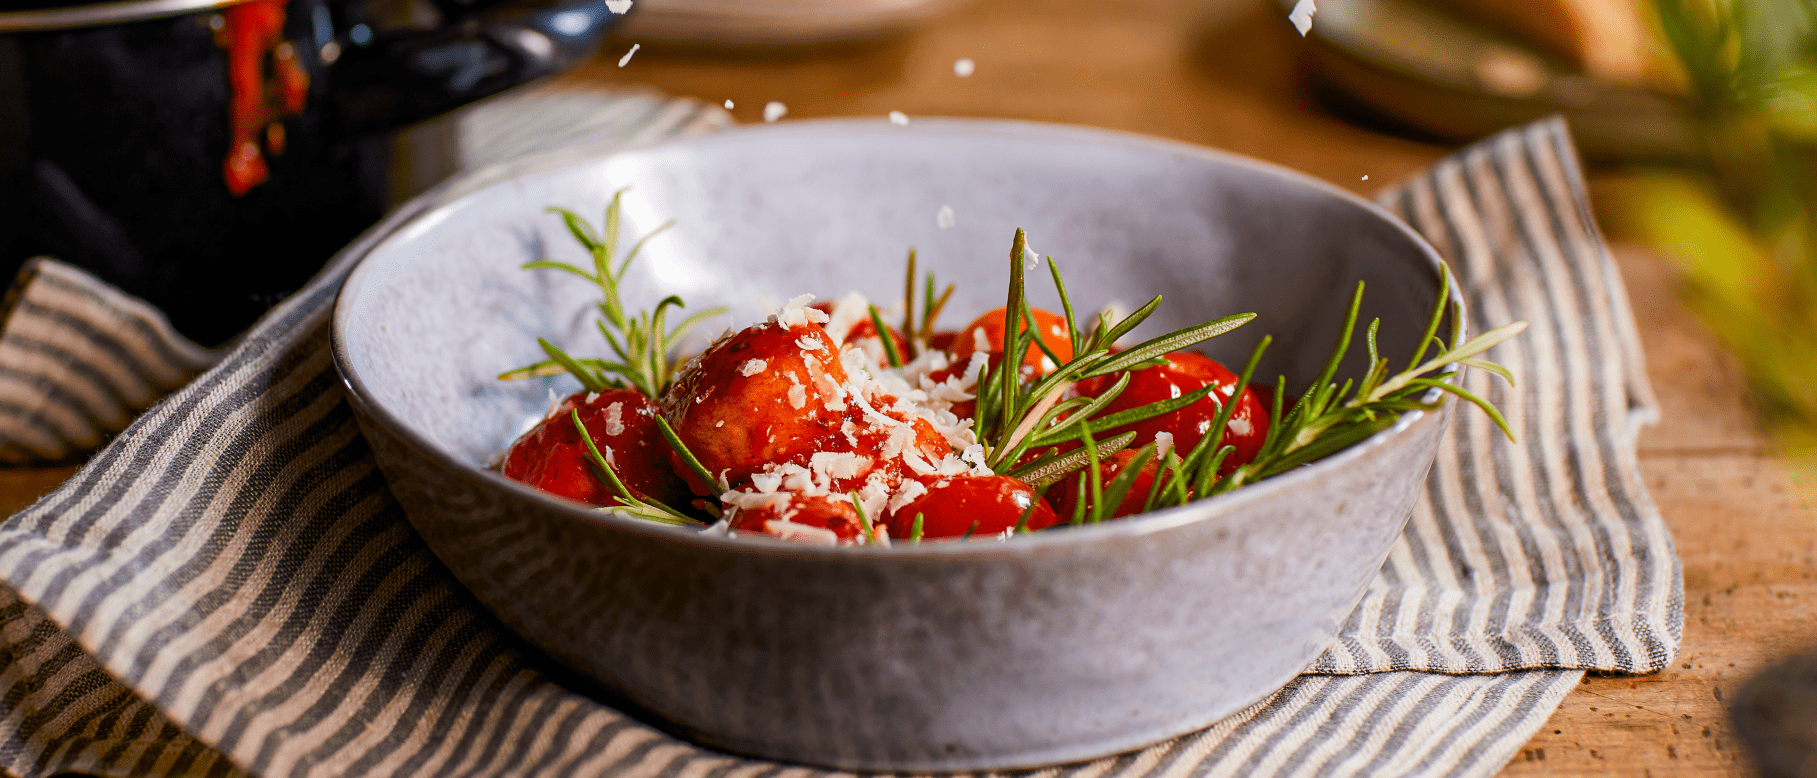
(1198, 511)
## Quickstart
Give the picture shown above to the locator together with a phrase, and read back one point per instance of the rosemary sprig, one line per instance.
(640, 342)
(628, 503)
(1052, 468)
(1015, 415)
(1329, 417)
(916, 335)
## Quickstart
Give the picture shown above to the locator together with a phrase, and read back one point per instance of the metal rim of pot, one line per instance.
(103, 13)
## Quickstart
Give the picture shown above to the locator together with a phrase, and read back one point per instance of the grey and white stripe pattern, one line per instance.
(78, 360)
(1474, 584)
(235, 561)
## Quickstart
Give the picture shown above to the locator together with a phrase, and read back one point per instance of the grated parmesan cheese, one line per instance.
(1163, 444)
(918, 463)
(1239, 426)
(750, 501)
(851, 309)
(615, 419)
(973, 455)
(871, 414)
(796, 313)
(838, 465)
(801, 533)
(910, 491)
(752, 367)
(1301, 16)
(875, 497)
(953, 465)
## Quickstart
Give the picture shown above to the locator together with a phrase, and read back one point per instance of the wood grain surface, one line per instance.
(1224, 73)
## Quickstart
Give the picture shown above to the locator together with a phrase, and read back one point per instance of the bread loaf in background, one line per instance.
(1609, 39)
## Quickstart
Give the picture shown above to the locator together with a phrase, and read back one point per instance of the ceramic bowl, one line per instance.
(1058, 646)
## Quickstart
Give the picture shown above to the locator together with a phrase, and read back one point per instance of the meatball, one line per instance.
(982, 504)
(622, 423)
(759, 513)
(1183, 373)
(771, 393)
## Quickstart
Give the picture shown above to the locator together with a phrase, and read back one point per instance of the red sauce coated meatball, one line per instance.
(1064, 496)
(832, 514)
(1186, 372)
(622, 423)
(952, 505)
(766, 394)
(1049, 327)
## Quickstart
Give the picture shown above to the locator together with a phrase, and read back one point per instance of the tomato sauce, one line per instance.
(266, 83)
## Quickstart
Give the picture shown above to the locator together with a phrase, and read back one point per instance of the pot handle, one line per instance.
(399, 78)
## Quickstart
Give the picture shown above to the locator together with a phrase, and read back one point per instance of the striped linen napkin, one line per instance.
(229, 588)
(78, 360)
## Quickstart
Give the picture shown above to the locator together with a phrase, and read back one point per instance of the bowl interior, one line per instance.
(440, 308)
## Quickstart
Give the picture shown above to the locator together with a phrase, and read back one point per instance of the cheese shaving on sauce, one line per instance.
(909, 492)
(747, 501)
(615, 419)
(851, 309)
(839, 465)
(752, 367)
(766, 483)
(1163, 444)
(801, 533)
(798, 394)
(796, 313)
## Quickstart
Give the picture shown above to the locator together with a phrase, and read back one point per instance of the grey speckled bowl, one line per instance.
(1059, 646)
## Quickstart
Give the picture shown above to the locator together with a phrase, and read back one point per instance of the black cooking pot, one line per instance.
(210, 155)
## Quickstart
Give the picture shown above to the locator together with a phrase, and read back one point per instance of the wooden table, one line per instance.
(1222, 73)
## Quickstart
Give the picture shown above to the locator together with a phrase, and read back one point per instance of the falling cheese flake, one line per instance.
(899, 118)
(774, 110)
(944, 219)
(964, 67)
(1301, 16)
(1365, 177)
(728, 105)
(618, 6)
(626, 59)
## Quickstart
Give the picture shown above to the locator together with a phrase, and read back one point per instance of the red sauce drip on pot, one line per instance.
(265, 83)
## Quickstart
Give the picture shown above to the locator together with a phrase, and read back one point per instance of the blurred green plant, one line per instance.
(1741, 221)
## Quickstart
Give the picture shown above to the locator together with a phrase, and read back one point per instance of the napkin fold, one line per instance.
(78, 360)
(229, 588)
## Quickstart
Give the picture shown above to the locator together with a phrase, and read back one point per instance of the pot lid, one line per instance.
(17, 15)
